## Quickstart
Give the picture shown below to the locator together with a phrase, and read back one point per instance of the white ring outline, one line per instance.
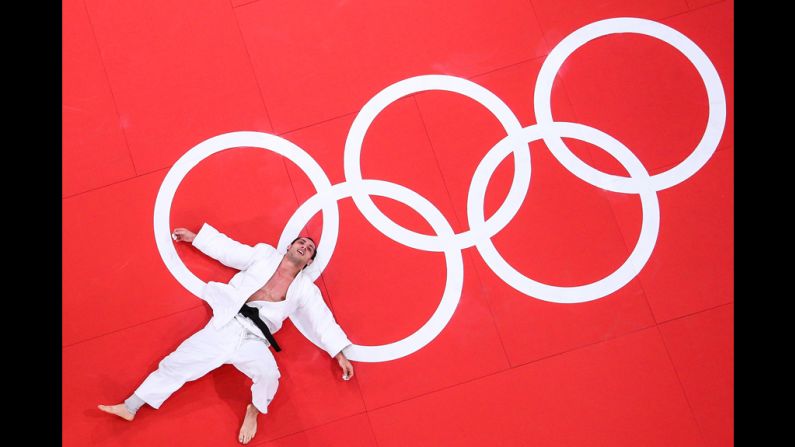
(368, 113)
(192, 157)
(598, 289)
(715, 95)
(453, 259)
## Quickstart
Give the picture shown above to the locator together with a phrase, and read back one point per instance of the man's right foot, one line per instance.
(119, 410)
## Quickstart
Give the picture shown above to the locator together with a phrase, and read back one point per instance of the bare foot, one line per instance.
(119, 410)
(249, 427)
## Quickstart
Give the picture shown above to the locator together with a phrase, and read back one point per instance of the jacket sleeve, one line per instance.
(314, 319)
(224, 249)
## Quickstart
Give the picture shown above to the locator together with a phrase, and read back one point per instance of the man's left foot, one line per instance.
(119, 410)
(249, 427)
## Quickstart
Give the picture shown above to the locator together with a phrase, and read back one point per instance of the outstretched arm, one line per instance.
(315, 321)
(218, 246)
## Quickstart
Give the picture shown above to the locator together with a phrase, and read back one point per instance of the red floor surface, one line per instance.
(650, 363)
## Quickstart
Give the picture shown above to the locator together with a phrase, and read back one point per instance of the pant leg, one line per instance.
(255, 360)
(199, 354)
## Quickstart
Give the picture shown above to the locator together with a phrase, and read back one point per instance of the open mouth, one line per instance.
(301, 251)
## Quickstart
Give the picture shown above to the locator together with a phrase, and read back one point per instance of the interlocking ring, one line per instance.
(479, 235)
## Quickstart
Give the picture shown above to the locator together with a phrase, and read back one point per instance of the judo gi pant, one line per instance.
(208, 349)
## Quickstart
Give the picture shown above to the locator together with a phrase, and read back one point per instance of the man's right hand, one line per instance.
(182, 234)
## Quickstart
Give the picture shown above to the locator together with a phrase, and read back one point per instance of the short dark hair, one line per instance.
(314, 253)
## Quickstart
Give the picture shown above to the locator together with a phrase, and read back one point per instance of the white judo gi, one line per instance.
(230, 338)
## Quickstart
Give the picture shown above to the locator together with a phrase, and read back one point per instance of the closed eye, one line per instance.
(307, 245)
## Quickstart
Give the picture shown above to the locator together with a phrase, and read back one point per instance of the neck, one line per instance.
(289, 267)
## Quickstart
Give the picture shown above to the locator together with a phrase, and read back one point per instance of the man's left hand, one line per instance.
(345, 364)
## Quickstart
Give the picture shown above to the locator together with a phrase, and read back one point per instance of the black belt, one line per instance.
(253, 314)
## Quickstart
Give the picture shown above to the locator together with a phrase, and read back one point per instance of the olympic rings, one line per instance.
(479, 235)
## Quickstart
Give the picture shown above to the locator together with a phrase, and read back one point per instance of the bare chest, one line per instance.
(274, 290)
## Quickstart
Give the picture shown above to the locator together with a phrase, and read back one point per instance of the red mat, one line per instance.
(648, 363)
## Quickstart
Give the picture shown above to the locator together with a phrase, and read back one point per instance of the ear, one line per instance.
(309, 262)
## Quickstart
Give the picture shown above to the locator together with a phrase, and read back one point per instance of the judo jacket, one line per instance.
(304, 304)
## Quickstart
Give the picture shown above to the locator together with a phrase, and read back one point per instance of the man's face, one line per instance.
(303, 249)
